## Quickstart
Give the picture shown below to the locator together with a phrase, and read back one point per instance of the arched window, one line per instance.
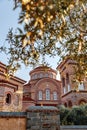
(41, 75)
(35, 76)
(46, 75)
(32, 77)
(67, 78)
(67, 81)
(64, 90)
(70, 104)
(65, 104)
(47, 94)
(55, 95)
(63, 85)
(40, 95)
(68, 87)
(8, 98)
(81, 86)
(82, 102)
(63, 82)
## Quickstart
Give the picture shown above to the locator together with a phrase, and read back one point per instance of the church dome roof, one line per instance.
(43, 68)
(43, 72)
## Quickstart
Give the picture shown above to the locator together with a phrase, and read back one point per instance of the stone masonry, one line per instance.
(43, 118)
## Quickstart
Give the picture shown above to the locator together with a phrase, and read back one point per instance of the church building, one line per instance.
(42, 89)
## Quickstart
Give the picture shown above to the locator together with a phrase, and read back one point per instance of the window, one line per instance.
(63, 82)
(32, 77)
(64, 90)
(55, 95)
(35, 76)
(46, 75)
(65, 104)
(70, 104)
(40, 95)
(68, 87)
(47, 94)
(8, 98)
(67, 81)
(67, 78)
(82, 102)
(81, 86)
(41, 75)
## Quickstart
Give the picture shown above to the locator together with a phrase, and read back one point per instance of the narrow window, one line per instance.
(8, 98)
(81, 86)
(63, 85)
(55, 95)
(35, 76)
(67, 81)
(70, 104)
(47, 94)
(40, 95)
(67, 78)
(64, 90)
(41, 75)
(63, 82)
(69, 88)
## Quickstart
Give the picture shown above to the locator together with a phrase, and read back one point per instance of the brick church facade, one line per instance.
(43, 88)
(11, 91)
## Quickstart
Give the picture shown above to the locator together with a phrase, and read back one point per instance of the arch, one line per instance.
(8, 98)
(43, 80)
(65, 104)
(82, 102)
(48, 80)
(69, 103)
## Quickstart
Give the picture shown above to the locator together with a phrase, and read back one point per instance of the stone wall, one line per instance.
(19, 120)
(35, 118)
(43, 118)
(80, 127)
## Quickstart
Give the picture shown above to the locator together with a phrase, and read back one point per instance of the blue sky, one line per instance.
(8, 19)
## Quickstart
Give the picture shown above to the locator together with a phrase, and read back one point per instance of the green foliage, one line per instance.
(49, 27)
(75, 116)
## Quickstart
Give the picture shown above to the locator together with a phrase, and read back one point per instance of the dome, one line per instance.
(43, 72)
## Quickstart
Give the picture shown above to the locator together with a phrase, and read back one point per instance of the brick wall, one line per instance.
(12, 121)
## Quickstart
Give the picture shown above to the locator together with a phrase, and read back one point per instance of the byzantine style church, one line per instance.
(43, 88)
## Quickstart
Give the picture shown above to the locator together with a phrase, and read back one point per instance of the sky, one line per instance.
(8, 19)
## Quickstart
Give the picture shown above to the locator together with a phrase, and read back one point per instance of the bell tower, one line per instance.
(71, 92)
